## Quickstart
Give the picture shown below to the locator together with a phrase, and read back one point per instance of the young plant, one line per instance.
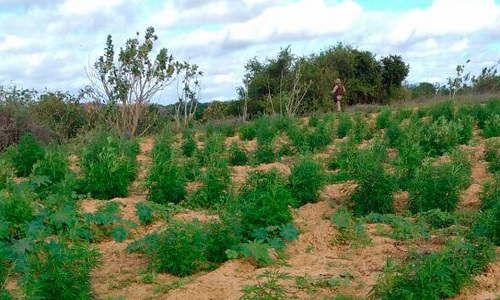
(272, 288)
(56, 270)
(189, 144)
(492, 126)
(29, 151)
(237, 156)
(166, 182)
(216, 182)
(306, 180)
(344, 125)
(351, 232)
(492, 155)
(6, 172)
(488, 223)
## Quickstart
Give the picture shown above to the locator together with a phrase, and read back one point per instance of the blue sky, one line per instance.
(49, 44)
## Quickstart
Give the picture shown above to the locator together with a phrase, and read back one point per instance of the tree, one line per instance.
(394, 72)
(188, 90)
(130, 81)
(459, 82)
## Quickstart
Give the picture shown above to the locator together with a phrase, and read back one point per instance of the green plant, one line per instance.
(248, 132)
(384, 118)
(375, 185)
(180, 249)
(350, 231)
(237, 156)
(56, 270)
(437, 218)
(29, 151)
(188, 146)
(402, 228)
(166, 182)
(216, 182)
(444, 109)
(306, 180)
(361, 129)
(108, 164)
(492, 155)
(441, 136)
(488, 223)
(272, 288)
(492, 126)
(437, 186)
(54, 164)
(434, 275)
(344, 125)
(264, 200)
(6, 172)
(17, 208)
(213, 150)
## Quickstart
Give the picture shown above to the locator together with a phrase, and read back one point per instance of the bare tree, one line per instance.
(188, 90)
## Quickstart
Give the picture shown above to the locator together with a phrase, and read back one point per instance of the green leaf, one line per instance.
(289, 232)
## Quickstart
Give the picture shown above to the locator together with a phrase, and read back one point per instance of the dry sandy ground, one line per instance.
(124, 275)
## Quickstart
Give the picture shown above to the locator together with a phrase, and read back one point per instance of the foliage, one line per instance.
(441, 136)
(103, 156)
(344, 126)
(29, 151)
(17, 208)
(488, 223)
(248, 131)
(166, 182)
(306, 180)
(270, 289)
(216, 181)
(132, 79)
(6, 172)
(437, 186)
(237, 156)
(188, 146)
(361, 130)
(492, 155)
(375, 184)
(492, 126)
(434, 275)
(401, 228)
(350, 231)
(384, 118)
(214, 148)
(56, 270)
(264, 200)
(180, 249)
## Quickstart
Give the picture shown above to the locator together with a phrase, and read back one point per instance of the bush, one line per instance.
(488, 223)
(189, 144)
(492, 155)
(108, 164)
(54, 165)
(166, 182)
(435, 275)
(492, 126)
(16, 208)
(237, 156)
(6, 172)
(384, 118)
(180, 249)
(361, 130)
(375, 186)
(4, 272)
(445, 110)
(264, 200)
(248, 132)
(216, 181)
(437, 186)
(306, 180)
(344, 125)
(29, 151)
(441, 136)
(56, 270)
(213, 150)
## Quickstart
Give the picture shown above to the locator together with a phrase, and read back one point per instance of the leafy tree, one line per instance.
(129, 82)
(394, 71)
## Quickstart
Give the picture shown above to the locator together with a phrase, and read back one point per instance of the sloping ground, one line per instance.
(313, 257)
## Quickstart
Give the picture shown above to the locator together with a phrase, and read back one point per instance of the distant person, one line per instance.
(338, 92)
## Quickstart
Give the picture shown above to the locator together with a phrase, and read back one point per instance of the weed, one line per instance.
(350, 232)
(384, 118)
(6, 172)
(189, 144)
(216, 182)
(488, 223)
(492, 155)
(492, 126)
(166, 182)
(361, 130)
(237, 156)
(56, 270)
(248, 132)
(306, 180)
(344, 125)
(272, 288)
(29, 151)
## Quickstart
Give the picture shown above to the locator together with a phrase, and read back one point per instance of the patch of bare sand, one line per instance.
(190, 215)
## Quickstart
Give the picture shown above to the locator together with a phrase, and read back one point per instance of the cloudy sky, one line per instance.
(47, 44)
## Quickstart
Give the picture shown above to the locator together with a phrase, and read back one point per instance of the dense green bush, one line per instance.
(17, 207)
(166, 182)
(248, 132)
(4, 272)
(434, 275)
(216, 180)
(492, 126)
(29, 151)
(180, 249)
(373, 193)
(437, 186)
(214, 148)
(108, 164)
(264, 200)
(488, 223)
(441, 136)
(306, 180)
(492, 155)
(237, 156)
(344, 125)
(384, 118)
(54, 165)
(444, 109)
(6, 172)
(189, 144)
(361, 129)
(56, 270)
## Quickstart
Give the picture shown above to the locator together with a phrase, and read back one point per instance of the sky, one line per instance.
(49, 44)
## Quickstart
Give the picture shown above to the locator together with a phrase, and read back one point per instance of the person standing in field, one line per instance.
(338, 92)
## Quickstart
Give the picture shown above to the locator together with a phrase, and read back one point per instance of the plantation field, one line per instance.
(381, 203)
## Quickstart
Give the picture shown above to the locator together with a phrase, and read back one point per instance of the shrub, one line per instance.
(225, 129)
(488, 223)
(492, 126)
(237, 156)
(180, 249)
(437, 186)
(162, 148)
(410, 157)
(16, 208)
(344, 125)
(393, 133)
(443, 109)
(492, 155)
(306, 180)
(361, 130)
(108, 164)
(6, 172)
(437, 218)
(264, 200)
(441, 136)
(189, 144)
(216, 181)
(384, 118)
(54, 165)
(435, 275)
(29, 151)
(56, 270)
(248, 132)
(4, 272)
(375, 186)
(213, 150)
(166, 182)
